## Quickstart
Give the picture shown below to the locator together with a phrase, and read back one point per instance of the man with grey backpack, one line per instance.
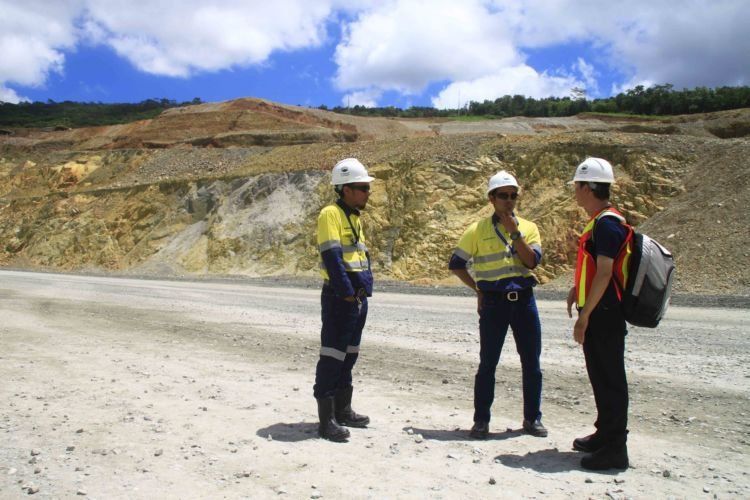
(600, 326)
(621, 276)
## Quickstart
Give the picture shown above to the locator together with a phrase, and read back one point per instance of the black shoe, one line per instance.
(344, 413)
(588, 444)
(480, 430)
(608, 457)
(535, 428)
(352, 419)
(328, 428)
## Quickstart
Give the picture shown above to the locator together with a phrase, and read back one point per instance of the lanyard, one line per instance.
(502, 238)
(356, 234)
(354, 230)
(359, 255)
(346, 214)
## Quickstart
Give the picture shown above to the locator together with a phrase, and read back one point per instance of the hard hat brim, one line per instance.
(600, 181)
(364, 179)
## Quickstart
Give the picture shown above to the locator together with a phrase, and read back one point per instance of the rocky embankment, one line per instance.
(175, 196)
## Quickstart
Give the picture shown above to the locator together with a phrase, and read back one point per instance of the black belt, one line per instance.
(511, 296)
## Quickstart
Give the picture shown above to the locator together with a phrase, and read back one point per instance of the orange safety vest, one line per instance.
(586, 263)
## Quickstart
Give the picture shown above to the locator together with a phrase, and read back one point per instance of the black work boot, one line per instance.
(607, 457)
(480, 430)
(535, 428)
(329, 428)
(588, 444)
(344, 413)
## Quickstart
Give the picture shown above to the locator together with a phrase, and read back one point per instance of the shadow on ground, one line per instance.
(462, 434)
(549, 460)
(289, 432)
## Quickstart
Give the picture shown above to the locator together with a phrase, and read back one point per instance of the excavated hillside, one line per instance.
(235, 187)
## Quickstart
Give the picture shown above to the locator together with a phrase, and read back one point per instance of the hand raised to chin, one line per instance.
(508, 222)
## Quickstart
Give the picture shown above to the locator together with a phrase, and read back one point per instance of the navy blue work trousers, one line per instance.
(604, 350)
(340, 337)
(496, 314)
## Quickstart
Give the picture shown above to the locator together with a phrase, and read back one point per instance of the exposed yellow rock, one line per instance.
(252, 210)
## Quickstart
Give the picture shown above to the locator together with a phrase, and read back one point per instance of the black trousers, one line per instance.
(340, 337)
(604, 349)
(522, 316)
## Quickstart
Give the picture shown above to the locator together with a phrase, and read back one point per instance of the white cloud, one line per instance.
(706, 44)
(687, 42)
(404, 45)
(10, 95)
(33, 35)
(477, 46)
(190, 36)
(521, 79)
(368, 98)
(91, 32)
(589, 74)
(167, 37)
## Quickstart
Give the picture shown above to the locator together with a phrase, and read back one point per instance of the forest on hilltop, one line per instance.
(658, 100)
(69, 114)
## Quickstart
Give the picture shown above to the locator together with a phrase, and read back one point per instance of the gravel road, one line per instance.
(131, 388)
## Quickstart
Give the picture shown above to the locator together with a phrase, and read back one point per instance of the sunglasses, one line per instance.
(359, 187)
(505, 196)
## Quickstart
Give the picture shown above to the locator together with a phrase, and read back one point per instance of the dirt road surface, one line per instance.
(127, 388)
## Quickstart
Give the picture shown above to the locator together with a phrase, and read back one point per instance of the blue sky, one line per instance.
(440, 53)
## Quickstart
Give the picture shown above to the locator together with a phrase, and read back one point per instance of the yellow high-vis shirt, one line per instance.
(335, 231)
(492, 259)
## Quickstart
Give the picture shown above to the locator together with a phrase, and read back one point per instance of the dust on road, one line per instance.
(119, 388)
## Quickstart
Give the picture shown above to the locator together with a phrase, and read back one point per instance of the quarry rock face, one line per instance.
(250, 209)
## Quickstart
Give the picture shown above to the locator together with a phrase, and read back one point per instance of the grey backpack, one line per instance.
(645, 297)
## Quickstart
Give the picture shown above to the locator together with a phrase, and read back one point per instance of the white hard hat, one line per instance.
(349, 170)
(500, 179)
(594, 170)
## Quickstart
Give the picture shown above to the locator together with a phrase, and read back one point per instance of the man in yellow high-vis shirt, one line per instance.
(503, 248)
(345, 267)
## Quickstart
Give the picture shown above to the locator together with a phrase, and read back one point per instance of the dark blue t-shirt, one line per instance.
(609, 234)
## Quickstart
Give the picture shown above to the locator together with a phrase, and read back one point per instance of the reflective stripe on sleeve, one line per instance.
(462, 254)
(327, 245)
(353, 248)
(333, 353)
(538, 250)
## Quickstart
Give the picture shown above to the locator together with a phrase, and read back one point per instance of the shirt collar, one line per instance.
(496, 219)
(347, 210)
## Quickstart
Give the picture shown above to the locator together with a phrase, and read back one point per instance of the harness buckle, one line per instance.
(512, 296)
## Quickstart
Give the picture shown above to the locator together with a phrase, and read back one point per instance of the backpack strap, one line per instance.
(611, 212)
(608, 212)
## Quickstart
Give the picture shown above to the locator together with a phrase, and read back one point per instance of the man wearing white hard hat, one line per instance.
(345, 267)
(503, 249)
(600, 326)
